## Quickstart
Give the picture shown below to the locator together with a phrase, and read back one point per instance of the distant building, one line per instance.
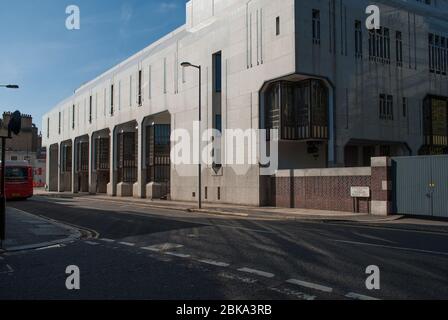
(27, 146)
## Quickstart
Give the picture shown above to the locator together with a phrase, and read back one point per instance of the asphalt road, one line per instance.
(139, 252)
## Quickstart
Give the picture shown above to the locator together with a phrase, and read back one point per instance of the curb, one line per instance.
(75, 234)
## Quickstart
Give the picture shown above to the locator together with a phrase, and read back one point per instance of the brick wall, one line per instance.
(329, 189)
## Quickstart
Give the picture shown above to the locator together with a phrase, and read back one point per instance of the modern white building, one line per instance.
(337, 92)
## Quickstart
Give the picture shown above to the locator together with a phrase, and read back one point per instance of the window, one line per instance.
(59, 127)
(405, 107)
(379, 45)
(438, 54)
(316, 26)
(164, 75)
(358, 39)
(73, 117)
(399, 48)
(139, 97)
(149, 81)
(112, 100)
(386, 107)
(48, 127)
(277, 26)
(217, 71)
(299, 110)
(90, 109)
(130, 90)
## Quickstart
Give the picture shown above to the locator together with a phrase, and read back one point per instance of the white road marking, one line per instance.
(106, 240)
(215, 263)
(294, 293)
(50, 247)
(129, 244)
(257, 272)
(163, 247)
(236, 277)
(310, 285)
(357, 296)
(393, 247)
(92, 243)
(179, 255)
(151, 249)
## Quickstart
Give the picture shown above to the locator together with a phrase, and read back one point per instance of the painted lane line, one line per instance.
(215, 263)
(92, 243)
(107, 240)
(129, 244)
(392, 247)
(151, 249)
(257, 272)
(50, 247)
(310, 285)
(163, 247)
(357, 296)
(179, 255)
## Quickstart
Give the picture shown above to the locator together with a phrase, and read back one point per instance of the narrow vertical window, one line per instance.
(48, 127)
(90, 109)
(358, 39)
(164, 75)
(139, 95)
(431, 50)
(73, 117)
(112, 100)
(150, 81)
(59, 126)
(277, 26)
(130, 90)
(405, 107)
(399, 48)
(217, 73)
(316, 26)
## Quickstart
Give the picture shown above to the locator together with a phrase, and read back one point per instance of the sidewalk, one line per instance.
(234, 210)
(25, 231)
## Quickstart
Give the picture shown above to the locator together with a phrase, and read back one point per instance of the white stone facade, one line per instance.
(260, 41)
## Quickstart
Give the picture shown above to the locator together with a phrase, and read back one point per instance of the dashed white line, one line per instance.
(215, 263)
(92, 243)
(151, 249)
(106, 240)
(179, 255)
(358, 296)
(50, 247)
(163, 247)
(129, 244)
(310, 285)
(257, 272)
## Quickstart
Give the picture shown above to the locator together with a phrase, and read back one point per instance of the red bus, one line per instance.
(18, 180)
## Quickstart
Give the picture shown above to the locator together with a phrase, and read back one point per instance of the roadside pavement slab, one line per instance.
(25, 231)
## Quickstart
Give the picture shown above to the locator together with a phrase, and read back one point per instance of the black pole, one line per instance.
(200, 139)
(3, 195)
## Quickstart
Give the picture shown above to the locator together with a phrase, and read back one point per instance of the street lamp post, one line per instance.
(198, 67)
(2, 178)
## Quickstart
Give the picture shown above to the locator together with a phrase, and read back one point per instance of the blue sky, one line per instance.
(48, 61)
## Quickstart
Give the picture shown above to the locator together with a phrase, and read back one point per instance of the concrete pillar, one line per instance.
(112, 185)
(92, 174)
(381, 185)
(74, 186)
(59, 164)
(139, 188)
